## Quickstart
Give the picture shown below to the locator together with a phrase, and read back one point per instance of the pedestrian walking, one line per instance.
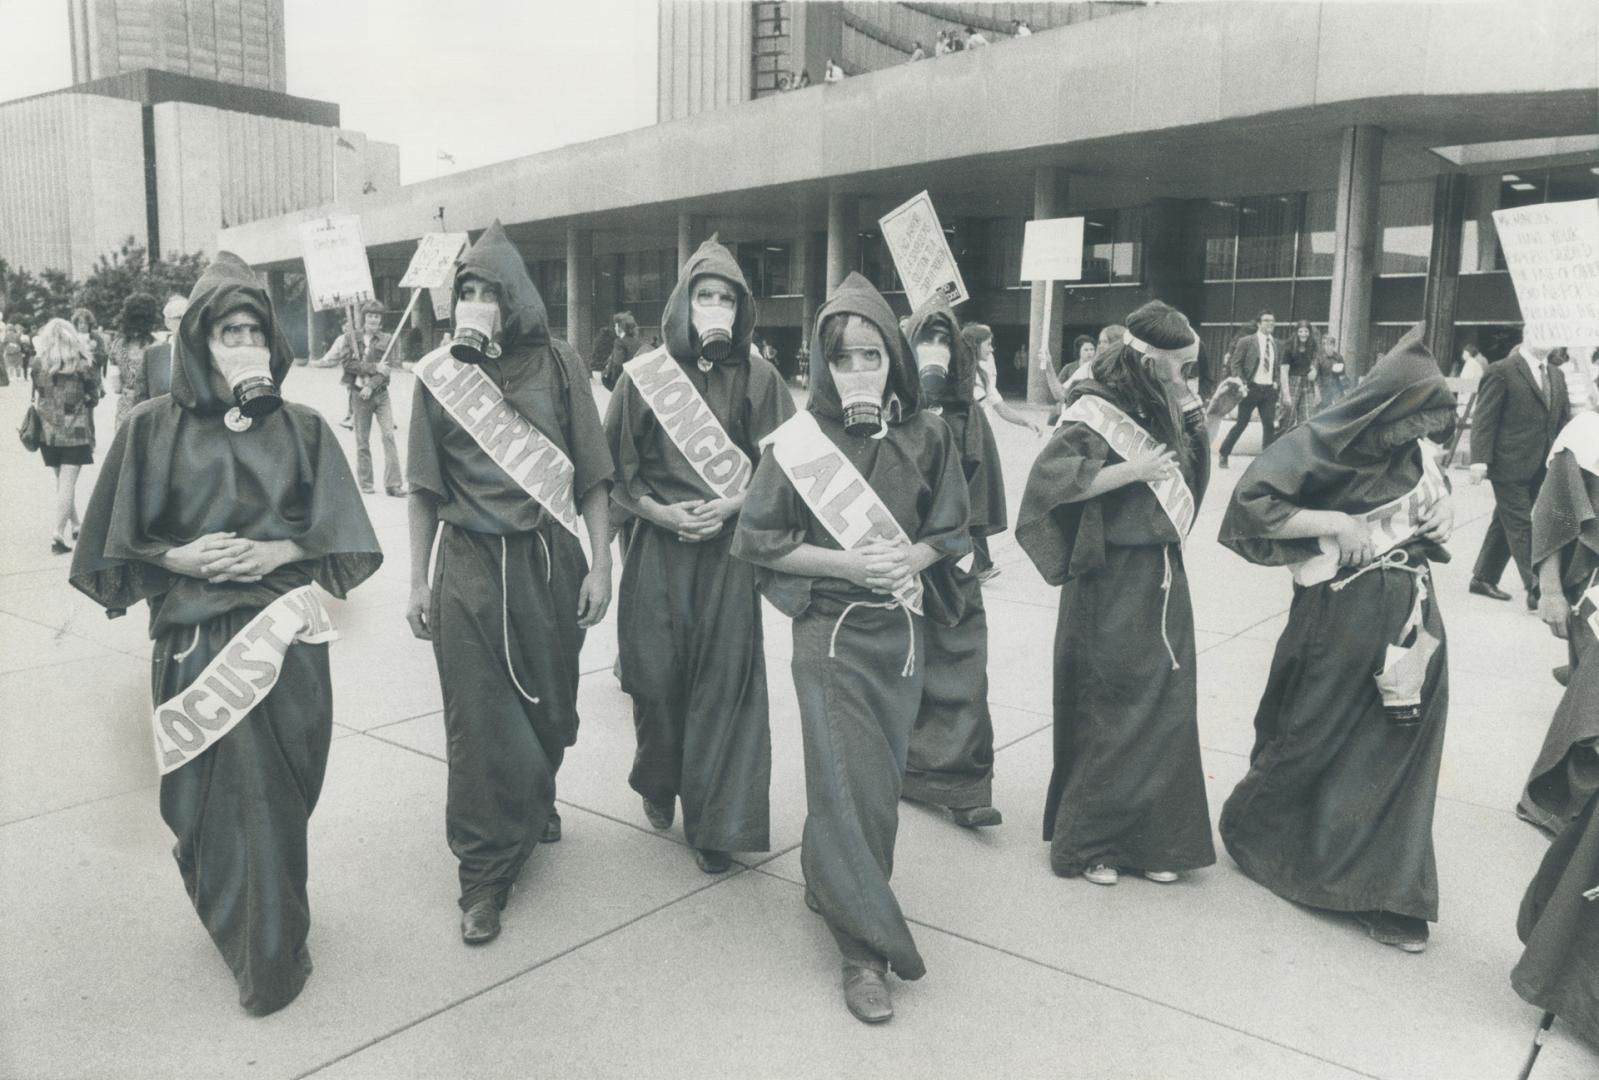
(366, 377)
(1257, 365)
(94, 342)
(66, 388)
(137, 324)
(1302, 356)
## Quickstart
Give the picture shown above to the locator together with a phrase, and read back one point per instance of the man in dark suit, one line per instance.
(1257, 361)
(1521, 407)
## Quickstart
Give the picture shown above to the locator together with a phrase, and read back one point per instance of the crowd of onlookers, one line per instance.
(948, 41)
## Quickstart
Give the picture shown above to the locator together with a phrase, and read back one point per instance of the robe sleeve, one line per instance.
(1275, 487)
(772, 524)
(771, 406)
(1565, 521)
(591, 457)
(424, 470)
(114, 562)
(945, 523)
(984, 476)
(1064, 538)
(341, 549)
(624, 422)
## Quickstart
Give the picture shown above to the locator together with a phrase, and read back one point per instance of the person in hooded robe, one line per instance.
(217, 503)
(507, 462)
(1559, 918)
(684, 425)
(1336, 809)
(1107, 507)
(951, 762)
(855, 514)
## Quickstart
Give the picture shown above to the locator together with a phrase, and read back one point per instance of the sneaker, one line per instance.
(1404, 932)
(660, 815)
(1100, 874)
(1165, 877)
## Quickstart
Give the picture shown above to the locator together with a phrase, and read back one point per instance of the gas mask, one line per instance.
(932, 362)
(714, 325)
(477, 331)
(861, 394)
(247, 369)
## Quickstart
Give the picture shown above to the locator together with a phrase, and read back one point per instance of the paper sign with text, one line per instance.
(1052, 250)
(337, 273)
(1552, 250)
(921, 252)
(433, 265)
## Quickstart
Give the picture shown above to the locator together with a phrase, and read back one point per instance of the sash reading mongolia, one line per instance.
(522, 451)
(1391, 523)
(837, 493)
(1122, 432)
(239, 678)
(689, 422)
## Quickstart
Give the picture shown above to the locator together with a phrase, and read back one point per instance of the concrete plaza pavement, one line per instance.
(620, 958)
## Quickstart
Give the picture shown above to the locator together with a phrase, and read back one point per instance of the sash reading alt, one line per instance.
(523, 452)
(1391, 523)
(836, 492)
(1131, 441)
(689, 422)
(238, 678)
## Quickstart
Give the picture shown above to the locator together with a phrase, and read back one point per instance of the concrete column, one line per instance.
(579, 287)
(1355, 240)
(1443, 266)
(689, 229)
(1050, 186)
(842, 214)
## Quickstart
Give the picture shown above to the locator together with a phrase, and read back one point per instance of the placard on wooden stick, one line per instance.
(1552, 250)
(433, 264)
(1052, 250)
(336, 271)
(921, 254)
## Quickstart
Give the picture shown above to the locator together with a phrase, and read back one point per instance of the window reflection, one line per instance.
(1479, 243)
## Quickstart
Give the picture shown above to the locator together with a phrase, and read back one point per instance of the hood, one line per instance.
(962, 362)
(226, 285)
(1403, 398)
(856, 296)
(495, 259)
(677, 320)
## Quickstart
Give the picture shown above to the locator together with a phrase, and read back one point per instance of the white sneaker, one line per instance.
(1165, 877)
(1100, 874)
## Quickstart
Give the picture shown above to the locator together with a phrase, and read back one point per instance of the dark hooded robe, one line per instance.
(688, 614)
(1559, 970)
(174, 473)
(1336, 809)
(951, 759)
(858, 657)
(506, 580)
(1127, 789)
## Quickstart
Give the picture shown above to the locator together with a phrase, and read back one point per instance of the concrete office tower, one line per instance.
(231, 41)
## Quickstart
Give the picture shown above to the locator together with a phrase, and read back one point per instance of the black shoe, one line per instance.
(1221, 461)
(977, 817)
(1403, 932)
(813, 903)
(552, 829)
(1532, 602)
(58, 548)
(1479, 587)
(660, 816)
(866, 995)
(397, 492)
(347, 422)
(712, 861)
(480, 923)
(367, 489)
(1562, 674)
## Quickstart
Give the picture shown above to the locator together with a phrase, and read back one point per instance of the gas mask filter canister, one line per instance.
(477, 328)
(714, 325)
(861, 394)
(248, 372)
(932, 364)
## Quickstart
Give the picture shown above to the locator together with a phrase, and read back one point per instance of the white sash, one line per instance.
(1391, 524)
(836, 492)
(1588, 608)
(238, 678)
(1131, 441)
(532, 461)
(689, 422)
(1581, 437)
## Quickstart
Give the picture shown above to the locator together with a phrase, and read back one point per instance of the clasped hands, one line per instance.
(695, 520)
(227, 557)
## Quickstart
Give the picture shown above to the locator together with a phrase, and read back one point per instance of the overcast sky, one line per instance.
(484, 80)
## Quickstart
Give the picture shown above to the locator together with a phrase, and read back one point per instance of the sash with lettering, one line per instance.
(689, 422)
(1125, 436)
(239, 678)
(836, 492)
(1391, 523)
(523, 452)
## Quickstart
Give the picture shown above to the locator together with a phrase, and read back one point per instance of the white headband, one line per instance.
(1186, 353)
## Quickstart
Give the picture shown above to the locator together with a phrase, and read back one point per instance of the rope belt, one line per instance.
(195, 644)
(910, 626)
(1165, 604)
(505, 614)
(1396, 559)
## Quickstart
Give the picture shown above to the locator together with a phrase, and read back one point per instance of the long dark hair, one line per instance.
(1123, 371)
(1311, 346)
(140, 315)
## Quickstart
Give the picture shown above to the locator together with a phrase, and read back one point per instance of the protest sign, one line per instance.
(1552, 250)
(1052, 250)
(433, 265)
(921, 252)
(336, 270)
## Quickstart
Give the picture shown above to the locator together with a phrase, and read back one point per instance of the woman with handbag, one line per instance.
(66, 386)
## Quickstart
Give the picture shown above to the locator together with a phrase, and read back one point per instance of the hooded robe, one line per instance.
(1128, 788)
(1336, 809)
(858, 670)
(952, 748)
(174, 473)
(688, 614)
(506, 579)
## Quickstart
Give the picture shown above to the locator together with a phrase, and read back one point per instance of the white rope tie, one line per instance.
(1397, 559)
(505, 623)
(549, 564)
(1165, 604)
(195, 644)
(910, 626)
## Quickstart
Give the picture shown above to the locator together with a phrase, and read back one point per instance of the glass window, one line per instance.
(876, 265)
(765, 265)
(1218, 228)
(1479, 243)
(648, 276)
(1316, 232)
(1267, 225)
(1113, 246)
(1404, 221)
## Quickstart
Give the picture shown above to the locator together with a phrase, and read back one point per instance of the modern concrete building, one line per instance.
(232, 41)
(1336, 162)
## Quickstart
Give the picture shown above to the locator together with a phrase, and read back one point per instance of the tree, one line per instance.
(127, 271)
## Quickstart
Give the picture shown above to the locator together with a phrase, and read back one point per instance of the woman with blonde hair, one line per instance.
(66, 386)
